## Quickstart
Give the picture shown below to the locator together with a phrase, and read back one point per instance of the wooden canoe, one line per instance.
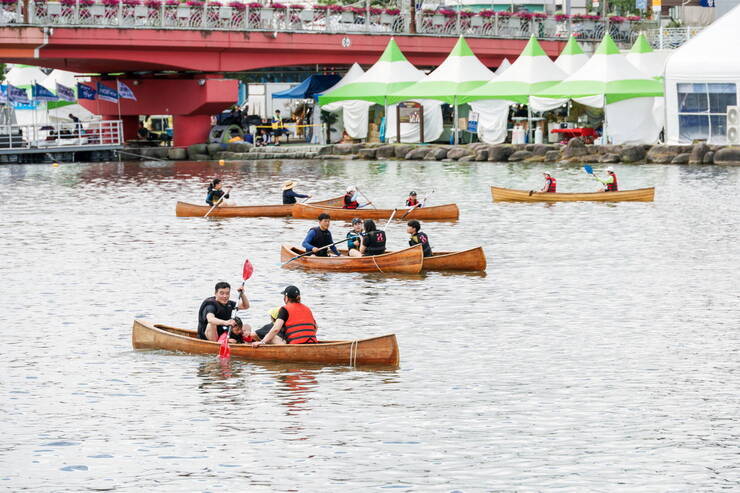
(432, 213)
(408, 261)
(376, 351)
(183, 209)
(509, 195)
(466, 260)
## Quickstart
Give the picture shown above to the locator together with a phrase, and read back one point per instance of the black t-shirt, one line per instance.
(210, 305)
(424, 240)
(374, 242)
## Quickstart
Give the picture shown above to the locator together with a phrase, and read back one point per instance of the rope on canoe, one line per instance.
(376, 264)
(353, 354)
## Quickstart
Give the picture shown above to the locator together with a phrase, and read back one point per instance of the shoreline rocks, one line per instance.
(576, 151)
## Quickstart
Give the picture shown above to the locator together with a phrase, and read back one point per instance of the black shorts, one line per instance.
(262, 332)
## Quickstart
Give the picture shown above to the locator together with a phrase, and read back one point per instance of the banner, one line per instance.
(66, 93)
(40, 93)
(85, 92)
(107, 93)
(3, 94)
(17, 95)
(125, 92)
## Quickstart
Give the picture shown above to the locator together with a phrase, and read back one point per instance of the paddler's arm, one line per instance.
(243, 301)
(307, 242)
(212, 319)
(270, 335)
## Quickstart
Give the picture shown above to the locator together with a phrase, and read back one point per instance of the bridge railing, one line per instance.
(105, 133)
(238, 16)
(671, 38)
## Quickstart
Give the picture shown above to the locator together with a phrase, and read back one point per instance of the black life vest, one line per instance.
(222, 312)
(321, 238)
(214, 196)
(552, 185)
(374, 242)
(424, 240)
(612, 187)
(349, 203)
(354, 240)
(300, 328)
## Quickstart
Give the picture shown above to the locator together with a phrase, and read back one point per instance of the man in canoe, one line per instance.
(320, 236)
(550, 183)
(289, 195)
(350, 199)
(374, 240)
(418, 237)
(411, 201)
(215, 193)
(610, 182)
(294, 324)
(214, 315)
(354, 238)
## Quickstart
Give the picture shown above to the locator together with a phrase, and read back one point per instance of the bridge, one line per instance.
(175, 56)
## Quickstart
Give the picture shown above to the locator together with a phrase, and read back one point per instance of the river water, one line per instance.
(599, 352)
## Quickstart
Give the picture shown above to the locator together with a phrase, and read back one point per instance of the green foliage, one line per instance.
(2, 72)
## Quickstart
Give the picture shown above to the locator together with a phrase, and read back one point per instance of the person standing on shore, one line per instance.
(550, 183)
(610, 182)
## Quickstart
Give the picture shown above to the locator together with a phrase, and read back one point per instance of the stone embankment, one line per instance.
(575, 152)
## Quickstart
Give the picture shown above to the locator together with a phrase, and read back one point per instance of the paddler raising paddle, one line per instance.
(214, 315)
(320, 236)
(216, 193)
(294, 323)
(350, 199)
(610, 182)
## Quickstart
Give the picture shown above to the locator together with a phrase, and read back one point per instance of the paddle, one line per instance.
(311, 252)
(418, 205)
(390, 218)
(224, 352)
(369, 202)
(588, 169)
(219, 201)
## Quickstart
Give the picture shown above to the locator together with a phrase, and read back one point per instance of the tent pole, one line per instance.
(454, 123)
(529, 123)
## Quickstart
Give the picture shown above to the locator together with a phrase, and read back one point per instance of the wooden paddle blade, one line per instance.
(247, 270)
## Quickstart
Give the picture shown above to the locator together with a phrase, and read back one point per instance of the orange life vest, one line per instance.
(612, 187)
(552, 184)
(301, 326)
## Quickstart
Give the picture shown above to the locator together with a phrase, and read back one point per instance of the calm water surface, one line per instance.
(600, 351)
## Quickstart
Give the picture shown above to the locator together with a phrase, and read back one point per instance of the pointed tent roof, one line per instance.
(354, 72)
(608, 74)
(460, 72)
(645, 59)
(503, 67)
(530, 73)
(572, 57)
(392, 72)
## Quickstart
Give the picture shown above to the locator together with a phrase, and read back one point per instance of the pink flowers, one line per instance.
(237, 6)
(616, 18)
(561, 17)
(448, 12)
(375, 11)
(486, 14)
(633, 18)
(278, 6)
(392, 11)
(336, 8)
(523, 15)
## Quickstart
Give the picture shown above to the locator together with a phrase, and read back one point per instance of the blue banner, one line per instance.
(107, 93)
(40, 93)
(125, 91)
(85, 92)
(66, 93)
(17, 95)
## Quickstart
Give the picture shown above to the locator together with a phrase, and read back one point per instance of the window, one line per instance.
(702, 110)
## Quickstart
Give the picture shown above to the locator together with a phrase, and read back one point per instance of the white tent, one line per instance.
(652, 63)
(609, 81)
(354, 117)
(702, 78)
(572, 58)
(389, 74)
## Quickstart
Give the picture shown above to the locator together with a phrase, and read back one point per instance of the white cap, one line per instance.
(350, 188)
(609, 168)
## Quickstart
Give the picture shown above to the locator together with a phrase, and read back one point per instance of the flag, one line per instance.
(85, 91)
(125, 91)
(17, 95)
(40, 93)
(107, 93)
(66, 93)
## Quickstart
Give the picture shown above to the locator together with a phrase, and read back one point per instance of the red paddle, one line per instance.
(224, 352)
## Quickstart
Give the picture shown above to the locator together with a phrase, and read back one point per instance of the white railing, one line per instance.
(238, 16)
(671, 37)
(103, 133)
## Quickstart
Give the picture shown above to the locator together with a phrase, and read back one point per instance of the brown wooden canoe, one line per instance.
(183, 209)
(509, 195)
(376, 351)
(466, 260)
(433, 213)
(408, 261)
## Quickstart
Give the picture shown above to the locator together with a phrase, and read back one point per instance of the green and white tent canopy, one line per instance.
(459, 73)
(529, 74)
(606, 78)
(354, 114)
(391, 73)
(503, 67)
(572, 57)
(645, 59)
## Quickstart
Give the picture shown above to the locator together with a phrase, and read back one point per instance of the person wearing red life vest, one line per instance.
(610, 182)
(294, 323)
(412, 201)
(350, 199)
(550, 183)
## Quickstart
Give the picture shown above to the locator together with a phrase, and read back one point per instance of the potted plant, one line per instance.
(389, 16)
(347, 15)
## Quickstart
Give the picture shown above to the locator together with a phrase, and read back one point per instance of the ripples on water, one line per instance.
(599, 352)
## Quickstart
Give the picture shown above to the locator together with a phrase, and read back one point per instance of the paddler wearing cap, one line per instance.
(412, 201)
(551, 183)
(610, 182)
(350, 199)
(354, 238)
(294, 324)
(290, 195)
